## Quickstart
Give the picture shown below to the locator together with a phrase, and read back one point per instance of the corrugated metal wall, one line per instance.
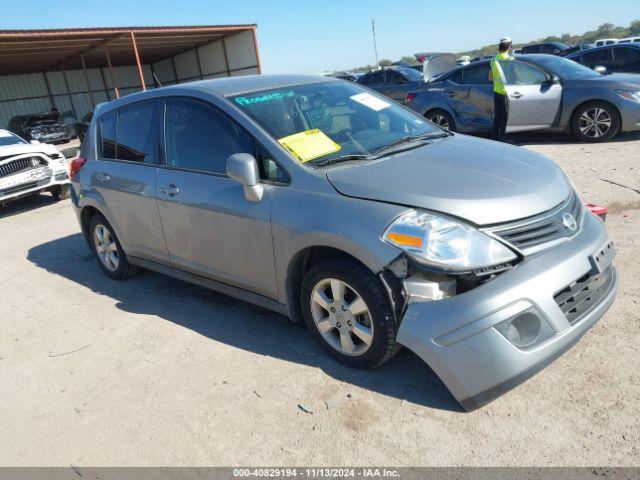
(35, 92)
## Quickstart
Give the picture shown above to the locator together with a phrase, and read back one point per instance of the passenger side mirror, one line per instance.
(243, 168)
(554, 79)
(600, 69)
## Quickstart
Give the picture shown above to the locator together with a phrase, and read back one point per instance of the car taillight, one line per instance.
(409, 97)
(76, 165)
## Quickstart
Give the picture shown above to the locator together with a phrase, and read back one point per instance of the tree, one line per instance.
(634, 28)
(385, 62)
(606, 29)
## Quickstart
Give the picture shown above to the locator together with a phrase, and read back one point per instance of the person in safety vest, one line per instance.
(496, 75)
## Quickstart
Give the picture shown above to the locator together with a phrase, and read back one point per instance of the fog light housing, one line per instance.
(526, 329)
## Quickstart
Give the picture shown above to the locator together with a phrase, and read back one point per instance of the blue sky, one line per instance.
(319, 35)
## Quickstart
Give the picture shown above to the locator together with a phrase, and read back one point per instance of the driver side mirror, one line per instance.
(554, 79)
(600, 69)
(243, 168)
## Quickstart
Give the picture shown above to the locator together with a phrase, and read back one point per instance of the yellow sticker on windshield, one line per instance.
(308, 145)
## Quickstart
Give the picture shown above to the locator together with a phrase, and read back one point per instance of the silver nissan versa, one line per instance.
(326, 202)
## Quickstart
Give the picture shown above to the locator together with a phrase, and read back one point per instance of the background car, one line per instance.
(43, 127)
(30, 168)
(606, 41)
(82, 125)
(552, 48)
(618, 58)
(545, 92)
(393, 82)
(630, 40)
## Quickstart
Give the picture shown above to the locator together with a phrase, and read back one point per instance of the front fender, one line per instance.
(302, 219)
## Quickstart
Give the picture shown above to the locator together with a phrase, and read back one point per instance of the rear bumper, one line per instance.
(456, 336)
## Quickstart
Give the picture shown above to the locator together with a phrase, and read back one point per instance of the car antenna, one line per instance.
(155, 77)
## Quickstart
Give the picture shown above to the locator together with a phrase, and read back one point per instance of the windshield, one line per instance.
(566, 68)
(7, 138)
(321, 121)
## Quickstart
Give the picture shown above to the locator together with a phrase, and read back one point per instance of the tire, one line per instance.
(378, 321)
(585, 129)
(109, 253)
(441, 118)
(61, 192)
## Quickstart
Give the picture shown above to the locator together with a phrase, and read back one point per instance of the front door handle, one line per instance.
(170, 190)
(102, 177)
(516, 95)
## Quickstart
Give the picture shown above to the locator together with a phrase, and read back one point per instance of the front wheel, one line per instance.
(348, 313)
(61, 192)
(595, 122)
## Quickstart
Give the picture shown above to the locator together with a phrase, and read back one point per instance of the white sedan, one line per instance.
(30, 168)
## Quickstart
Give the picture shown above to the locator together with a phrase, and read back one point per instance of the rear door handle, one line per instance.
(516, 95)
(170, 190)
(102, 177)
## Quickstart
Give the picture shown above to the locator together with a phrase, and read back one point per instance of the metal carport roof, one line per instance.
(31, 51)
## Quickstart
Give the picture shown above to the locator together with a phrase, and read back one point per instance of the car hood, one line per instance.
(18, 149)
(478, 180)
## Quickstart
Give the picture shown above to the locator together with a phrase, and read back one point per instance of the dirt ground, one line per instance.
(153, 371)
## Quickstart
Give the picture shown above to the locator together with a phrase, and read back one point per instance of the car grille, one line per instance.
(541, 229)
(578, 298)
(19, 165)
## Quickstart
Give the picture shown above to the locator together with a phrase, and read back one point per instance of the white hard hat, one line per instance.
(505, 40)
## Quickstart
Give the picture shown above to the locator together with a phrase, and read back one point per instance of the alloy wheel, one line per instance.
(106, 247)
(440, 120)
(342, 317)
(595, 122)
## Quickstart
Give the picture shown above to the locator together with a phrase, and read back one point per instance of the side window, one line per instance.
(136, 132)
(626, 57)
(519, 73)
(269, 169)
(108, 135)
(598, 57)
(395, 77)
(531, 49)
(456, 77)
(477, 75)
(199, 137)
(376, 77)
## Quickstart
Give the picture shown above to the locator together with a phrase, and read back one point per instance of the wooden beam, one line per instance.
(87, 83)
(111, 76)
(135, 52)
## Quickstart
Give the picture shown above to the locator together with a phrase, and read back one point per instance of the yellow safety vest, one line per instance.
(497, 73)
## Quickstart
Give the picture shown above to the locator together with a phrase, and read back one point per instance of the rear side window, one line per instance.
(476, 75)
(129, 133)
(626, 57)
(108, 124)
(136, 133)
(199, 137)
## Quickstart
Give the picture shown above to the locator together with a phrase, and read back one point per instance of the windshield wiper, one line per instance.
(344, 158)
(392, 147)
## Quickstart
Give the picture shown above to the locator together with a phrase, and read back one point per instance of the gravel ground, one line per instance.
(153, 371)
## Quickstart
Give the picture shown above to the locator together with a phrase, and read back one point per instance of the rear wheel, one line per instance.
(108, 250)
(595, 122)
(441, 118)
(348, 313)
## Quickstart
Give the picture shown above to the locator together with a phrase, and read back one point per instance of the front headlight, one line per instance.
(444, 242)
(630, 94)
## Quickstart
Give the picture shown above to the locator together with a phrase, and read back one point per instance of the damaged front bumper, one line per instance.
(16, 182)
(462, 337)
